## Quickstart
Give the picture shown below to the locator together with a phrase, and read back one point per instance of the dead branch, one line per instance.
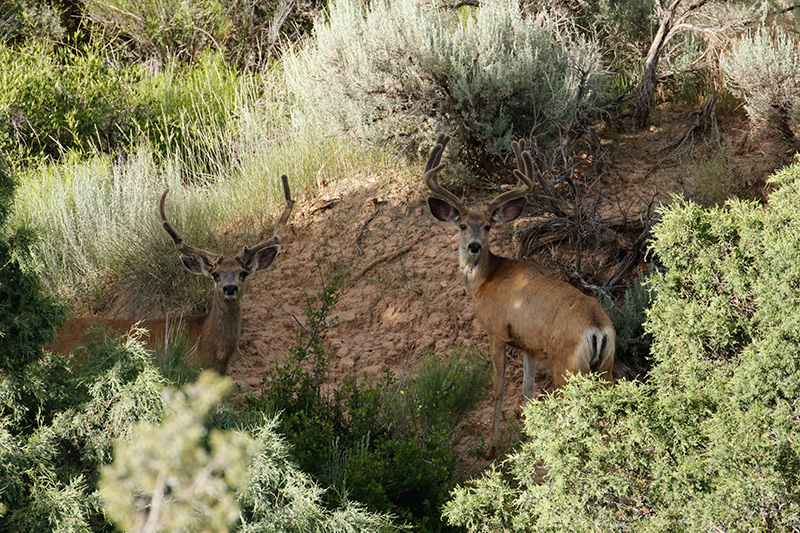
(382, 259)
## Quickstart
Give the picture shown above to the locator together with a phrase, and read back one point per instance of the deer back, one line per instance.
(546, 317)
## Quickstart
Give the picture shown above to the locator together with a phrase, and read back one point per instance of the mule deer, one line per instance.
(215, 336)
(516, 302)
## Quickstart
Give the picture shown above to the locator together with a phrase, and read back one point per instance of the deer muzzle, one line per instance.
(230, 292)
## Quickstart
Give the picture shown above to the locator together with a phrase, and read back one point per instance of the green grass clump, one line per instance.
(56, 100)
(164, 29)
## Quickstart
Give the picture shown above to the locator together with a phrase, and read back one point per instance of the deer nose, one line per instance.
(474, 247)
(230, 291)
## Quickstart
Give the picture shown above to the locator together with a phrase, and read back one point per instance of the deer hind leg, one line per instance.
(497, 350)
(528, 376)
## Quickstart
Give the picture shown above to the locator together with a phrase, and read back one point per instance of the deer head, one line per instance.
(474, 224)
(229, 274)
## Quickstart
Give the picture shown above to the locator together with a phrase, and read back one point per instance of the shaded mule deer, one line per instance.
(215, 336)
(516, 302)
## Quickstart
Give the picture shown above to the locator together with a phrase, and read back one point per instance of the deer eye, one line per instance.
(243, 275)
(462, 226)
(215, 276)
(487, 227)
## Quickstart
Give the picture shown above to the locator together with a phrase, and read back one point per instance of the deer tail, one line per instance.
(596, 351)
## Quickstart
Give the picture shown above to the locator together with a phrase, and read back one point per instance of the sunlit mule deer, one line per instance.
(518, 303)
(215, 336)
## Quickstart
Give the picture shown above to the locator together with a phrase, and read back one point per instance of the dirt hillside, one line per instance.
(403, 295)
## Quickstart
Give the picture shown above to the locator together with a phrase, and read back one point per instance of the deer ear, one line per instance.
(196, 264)
(264, 258)
(442, 210)
(508, 211)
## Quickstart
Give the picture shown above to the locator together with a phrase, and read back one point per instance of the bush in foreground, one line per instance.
(58, 425)
(178, 475)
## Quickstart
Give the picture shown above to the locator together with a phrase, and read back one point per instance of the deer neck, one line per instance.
(221, 330)
(476, 268)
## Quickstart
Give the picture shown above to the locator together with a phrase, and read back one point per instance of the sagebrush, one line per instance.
(402, 71)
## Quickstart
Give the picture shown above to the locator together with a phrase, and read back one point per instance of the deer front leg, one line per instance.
(497, 351)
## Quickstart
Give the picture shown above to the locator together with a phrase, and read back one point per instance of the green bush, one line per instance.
(716, 178)
(30, 20)
(711, 439)
(403, 70)
(251, 34)
(389, 446)
(279, 497)
(59, 100)
(764, 67)
(58, 425)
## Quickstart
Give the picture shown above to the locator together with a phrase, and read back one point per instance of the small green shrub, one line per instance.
(716, 178)
(387, 445)
(60, 100)
(174, 358)
(30, 20)
(279, 497)
(633, 342)
(402, 71)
